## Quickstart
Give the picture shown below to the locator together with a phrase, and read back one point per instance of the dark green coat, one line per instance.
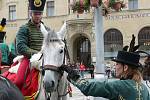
(5, 53)
(12, 49)
(29, 39)
(114, 90)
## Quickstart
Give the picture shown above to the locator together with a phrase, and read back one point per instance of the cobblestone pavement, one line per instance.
(77, 95)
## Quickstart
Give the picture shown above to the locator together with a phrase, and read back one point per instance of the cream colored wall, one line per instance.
(54, 22)
(22, 9)
(128, 26)
(143, 4)
(3, 9)
(61, 7)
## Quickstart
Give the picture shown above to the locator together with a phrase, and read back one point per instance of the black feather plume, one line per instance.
(132, 43)
(125, 48)
(135, 48)
(144, 52)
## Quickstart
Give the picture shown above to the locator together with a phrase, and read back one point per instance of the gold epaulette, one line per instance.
(1, 28)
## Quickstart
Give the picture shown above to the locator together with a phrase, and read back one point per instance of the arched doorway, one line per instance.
(144, 39)
(113, 41)
(82, 50)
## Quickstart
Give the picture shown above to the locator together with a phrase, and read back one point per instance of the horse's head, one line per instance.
(53, 56)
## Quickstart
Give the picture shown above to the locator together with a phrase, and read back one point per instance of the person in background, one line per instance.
(3, 24)
(91, 68)
(129, 84)
(108, 71)
(2, 32)
(73, 65)
(77, 66)
(82, 69)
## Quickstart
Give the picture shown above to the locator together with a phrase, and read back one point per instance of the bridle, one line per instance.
(52, 67)
(56, 69)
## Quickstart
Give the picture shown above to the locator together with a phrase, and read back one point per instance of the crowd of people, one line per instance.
(83, 69)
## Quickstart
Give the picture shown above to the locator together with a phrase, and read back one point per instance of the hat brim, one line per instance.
(36, 11)
(126, 62)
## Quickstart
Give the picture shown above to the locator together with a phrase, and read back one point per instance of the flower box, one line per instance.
(80, 6)
(94, 3)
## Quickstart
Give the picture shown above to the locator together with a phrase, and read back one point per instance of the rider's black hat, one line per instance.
(129, 58)
(37, 5)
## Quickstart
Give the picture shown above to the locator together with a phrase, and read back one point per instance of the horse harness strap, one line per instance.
(51, 67)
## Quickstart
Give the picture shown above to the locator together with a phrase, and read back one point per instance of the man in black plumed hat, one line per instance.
(129, 86)
(28, 42)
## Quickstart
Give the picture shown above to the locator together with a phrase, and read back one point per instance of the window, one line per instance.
(83, 47)
(12, 12)
(144, 38)
(133, 4)
(50, 8)
(113, 40)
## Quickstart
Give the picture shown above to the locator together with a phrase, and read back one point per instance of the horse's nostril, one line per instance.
(49, 86)
(52, 83)
(61, 51)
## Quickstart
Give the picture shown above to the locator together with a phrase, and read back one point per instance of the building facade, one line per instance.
(118, 26)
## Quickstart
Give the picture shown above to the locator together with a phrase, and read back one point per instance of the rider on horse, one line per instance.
(29, 40)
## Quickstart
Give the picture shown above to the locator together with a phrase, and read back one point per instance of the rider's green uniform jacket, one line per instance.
(29, 39)
(114, 90)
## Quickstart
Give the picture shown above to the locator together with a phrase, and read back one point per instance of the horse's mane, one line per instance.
(8, 91)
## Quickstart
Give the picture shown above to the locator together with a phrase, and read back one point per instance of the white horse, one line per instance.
(53, 82)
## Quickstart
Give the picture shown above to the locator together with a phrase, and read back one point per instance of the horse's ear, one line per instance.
(62, 31)
(43, 29)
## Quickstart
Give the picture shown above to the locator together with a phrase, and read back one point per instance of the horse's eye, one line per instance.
(61, 51)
